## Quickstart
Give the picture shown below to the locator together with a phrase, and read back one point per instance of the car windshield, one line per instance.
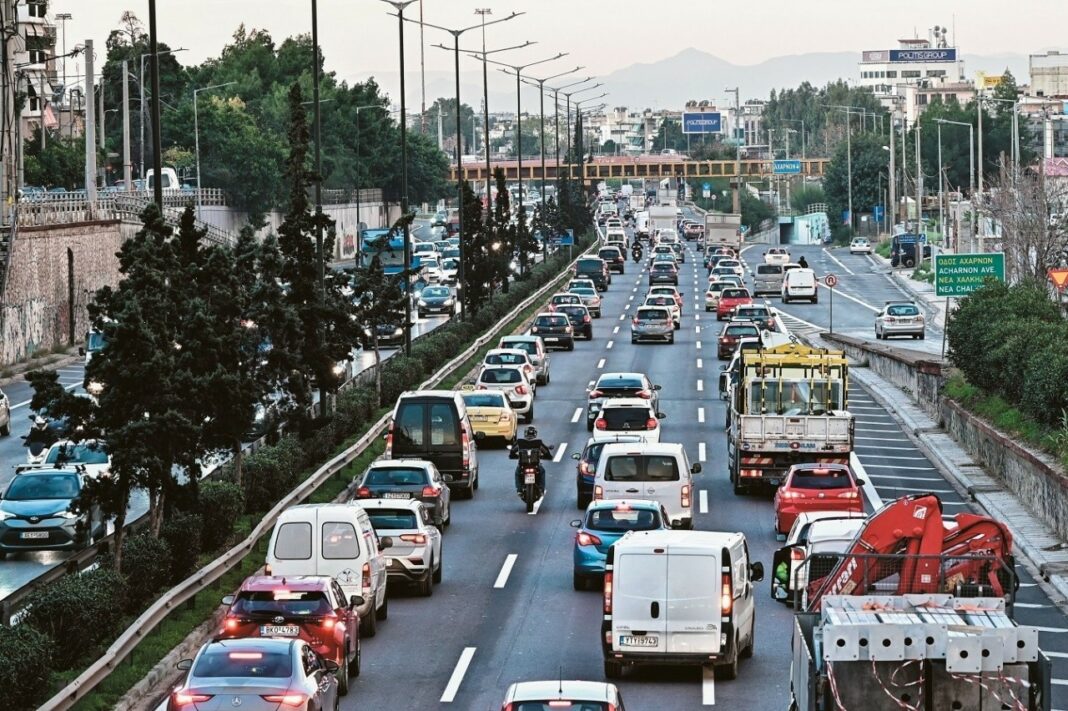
(821, 479)
(625, 418)
(484, 400)
(78, 454)
(225, 661)
(291, 603)
(435, 292)
(904, 310)
(500, 375)
(397, 476)
(622, 519)
(392, 519)
(37, 487)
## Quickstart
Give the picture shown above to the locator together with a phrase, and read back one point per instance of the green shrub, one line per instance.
(78, 612)
(1015, 344)
(146, 565)
(25, 665)
(221, 503)
(1045, 387)
(270, 473)
(182, 531)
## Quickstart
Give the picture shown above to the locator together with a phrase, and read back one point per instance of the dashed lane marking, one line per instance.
(457, 677)
(560, 452)
(506, 570)
(701, 454)
(577, 415)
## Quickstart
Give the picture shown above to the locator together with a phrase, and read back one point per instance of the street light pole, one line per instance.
(141, 105)
(971, 166)
(157, 158)
(540, 83)
(567, 119)
(196, 132)
(62, 17)
(736, 196)
(556, 120)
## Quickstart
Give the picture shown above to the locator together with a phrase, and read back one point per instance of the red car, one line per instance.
(730, 299)
(816, 487)
(312, 608)
(731, 334)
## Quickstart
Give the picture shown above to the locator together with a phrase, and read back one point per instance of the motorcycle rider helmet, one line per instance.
(531, 433)
(39, 421)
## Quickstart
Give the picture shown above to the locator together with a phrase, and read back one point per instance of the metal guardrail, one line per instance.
(154, 615)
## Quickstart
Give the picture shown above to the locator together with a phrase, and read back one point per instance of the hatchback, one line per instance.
(565, 694)
(408, 479)
(590, 299)
(558, 300)
(605, 523)
(586, 469)
(555, 330)
(663, 273)
(516, 357)
(581, 321)
(628, 416)
(512, 381)
(611, 386)
(730, 299)
(435, 300)
(614, 258)
(672, 291)
(899, 319)
(859, 245)
(668, 302)
(816, 487)
(652, 323)
(732, 333)
(761, 314)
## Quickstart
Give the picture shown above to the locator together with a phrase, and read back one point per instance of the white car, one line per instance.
(899, 318)
(668, 289)
(859, 245)
(627, 416)
(512, 356)
(431, 269)
(563, 694)
(450, 268)
(666, 301)
(813, 532)
(513, 382)
(92, 454)
(777, 255)
(733, 265)
(5, 415)
(415, 556)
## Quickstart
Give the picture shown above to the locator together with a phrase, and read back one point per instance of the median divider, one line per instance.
(206, 576)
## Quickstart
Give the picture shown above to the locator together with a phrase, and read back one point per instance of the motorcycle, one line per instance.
(529, 466)
(637, 254)
(40, 437)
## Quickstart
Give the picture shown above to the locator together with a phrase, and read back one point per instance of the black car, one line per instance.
(581, 323)
(555, 330)
(401, 479)
(389, 334)
(615, 385)
(663, 273)
(614, 258)
(595, 269)
(436, 300)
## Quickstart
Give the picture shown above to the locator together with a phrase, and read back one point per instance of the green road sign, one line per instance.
(961, 274)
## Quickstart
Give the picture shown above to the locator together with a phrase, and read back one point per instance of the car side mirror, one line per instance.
(228, 600)
(355, 601)
(756, 572)
(695, 468)
(81, 351)
(331, 666)
(576, 523)
(384, 543)
(576, 456)
(661, 415)
(657, 387)
(185, 664)
(861, 482)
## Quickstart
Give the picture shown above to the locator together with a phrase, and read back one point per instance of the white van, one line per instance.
(661, 472)
(800, 284)
(337, 540)
(679, 598)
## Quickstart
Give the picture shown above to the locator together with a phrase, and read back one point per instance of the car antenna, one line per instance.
(560, 682)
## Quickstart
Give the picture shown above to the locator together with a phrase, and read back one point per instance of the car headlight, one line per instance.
(398, 331)
(68, 514)
(5, 515)
(422, 303)
(448, 302)
(367, 332)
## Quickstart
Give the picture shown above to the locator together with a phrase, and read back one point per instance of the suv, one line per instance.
(433, 425)
(312, 608)
(535, 348)
(613, 256)
(415, 556)
(408, 480)
(554, 329)
(581, 322)
(653, 322)
(616, 385)
(899, 318)
(733, 332)
(595, 269)
(40, 512)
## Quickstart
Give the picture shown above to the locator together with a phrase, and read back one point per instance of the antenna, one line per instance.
(560, 677)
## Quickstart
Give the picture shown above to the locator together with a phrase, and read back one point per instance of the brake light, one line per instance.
(329, 622)
(419, 538)
(635, 321)
(608, 593)
(287, 699)
(465, 442)
(726, 596)
(586, 318)
(651, 423)
(789, 494)
(183, 698)
(520, 389)
(644, 394)
(587, 539)
(598, 493)
(849, 495)
(389, 440)
(365, 581)
(685, 496)
(797, 554)
(560, 704)
(363, 493)
(600, 423)
(232, 623)
(246, 656)
(481, 387)
(429, 491)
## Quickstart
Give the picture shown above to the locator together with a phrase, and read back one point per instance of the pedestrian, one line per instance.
(803, 263)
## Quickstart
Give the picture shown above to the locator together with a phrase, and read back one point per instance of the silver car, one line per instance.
(256, 674)
(535, 348)
(39, 513)
(652, 323)
(590, 299)
(767, 279)
(899, 318)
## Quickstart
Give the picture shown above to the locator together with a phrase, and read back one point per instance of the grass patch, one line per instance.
(923, 273)
(883, 249)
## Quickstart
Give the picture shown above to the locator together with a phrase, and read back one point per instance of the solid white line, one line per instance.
(608, 345)
(700, 414)
(698, 345)
(506, 570)
(919, 491)
(457, 675)
(882, 439)
(700, 385)
(902, 468)
(700, 363)
(893, 477)
(873, 422)
(700, 451)
(1035, 606)
(836, 261)
(869, 488)
(851, 298)
(615, 330)
(560, 452)
(600, 363)
(702, 501)
(914, 459)
(577, 415)
(708, 686)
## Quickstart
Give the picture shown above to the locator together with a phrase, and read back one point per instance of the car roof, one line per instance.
(572, 690)
(834, 528)
(507, 351)
(266, 583)
(400, 464)
(614, 438)
(518, 338)
(819, 465)
(642, 448)
(619, 376)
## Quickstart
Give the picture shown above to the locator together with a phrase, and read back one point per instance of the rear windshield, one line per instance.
(484, 400)
(530, 347)
(230, 662)
(903, 310)
(741, 331)
(551, 321)
(620, 520)
(821, 479)
(589, 264)
(609, 252)
(661, 300)
(620, 384)
(294, 541)
(392, 519)
(506, 359)
(409, 432)
(769, 269)
(626, 418)
(565, 299)
(500, 375)
(291, 603)
(663, 267)
(718, 286)
(751, 312)
(735, 293)
(396, 476)
(574, 310)
(641, 467)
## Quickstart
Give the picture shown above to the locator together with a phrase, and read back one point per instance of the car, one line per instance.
(767, 278)
(672, 291)
(733, 332)
(416, 554)
(430, 268)
(435, 300)
(859, 245)
(604, 523)
(450, 267)
(659, 471)
(665, 250)
(257, 674)
(777, 255)
(729, 299)
(668, 302)
(693, 230)
(581, 321)
(5, 415)
(586, 469)
(491, 415)
(760, 314)
(311, 608)
(611, 386)
(564, 298)
(731, 279)
(407, 479)
(666, 236)
(512, 356)
(680, 251)
(627, 416)
(613, 257)
(384, 334)
(91, 456)
(800, 284)
(41, 510)
(441, 245)
(554, 329)
(580, 283)
(590, 299)
(433, 425)
(733, 265)
(712, 293)
(595, 269)
(816, 487)
(899, 318)
(652, 323)
(535, 348)
(513, 382)
(563, 694)
(663, 273)
(722, 271)
(813, 533)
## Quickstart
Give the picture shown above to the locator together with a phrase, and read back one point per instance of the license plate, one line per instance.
(279, 630)
(529, 478)
(550, 339)
(396, 495)
(34, 534)
(638, 641)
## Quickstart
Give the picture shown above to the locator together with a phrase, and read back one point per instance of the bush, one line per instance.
(221, 503)
(270, 473)
(25, 664)
(1045, 387)
(78, 612)
(182, 531)
(1015, 344)
(146, 565)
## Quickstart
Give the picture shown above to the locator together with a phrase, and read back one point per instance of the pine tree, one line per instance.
(503, 244)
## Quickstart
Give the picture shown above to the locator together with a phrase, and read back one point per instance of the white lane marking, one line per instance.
(700, 385)
(700, 363)
(1035, 606)
(600, 363)
(883, 456)
(560, 452)
(697, 329)
(708, 686)
(873, 422)
(698, 345)
(902, 468)
(841, 293)
(537, 506)
(836, 261)
(919, 491)
(702, 501)
(608, 345)
(701, 451)
(894, 477)
(871, 428)
(697, 317)
(506, 570)
(869, 488)
(700, 414)
(634, 289)
(577, 415)
(27, 402)
(615, 330)
(457, 675)
(622, 316)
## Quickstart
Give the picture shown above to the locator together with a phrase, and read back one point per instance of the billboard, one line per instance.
(947, 54)
(702, 122)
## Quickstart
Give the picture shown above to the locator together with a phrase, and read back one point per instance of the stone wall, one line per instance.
(34, 305)
(920, 375)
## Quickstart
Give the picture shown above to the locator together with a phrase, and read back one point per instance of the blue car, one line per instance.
(605, 523)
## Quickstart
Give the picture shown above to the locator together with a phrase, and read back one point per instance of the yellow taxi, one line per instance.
(490, 414)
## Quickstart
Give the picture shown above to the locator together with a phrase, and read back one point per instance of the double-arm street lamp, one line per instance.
(556, 120)
(567, 96)
(971, 165)
(141, 93)
(540, 83)
(196, 131)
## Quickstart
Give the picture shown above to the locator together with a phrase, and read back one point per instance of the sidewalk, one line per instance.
(52, 361)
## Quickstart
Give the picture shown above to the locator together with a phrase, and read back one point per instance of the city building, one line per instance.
(35, 65)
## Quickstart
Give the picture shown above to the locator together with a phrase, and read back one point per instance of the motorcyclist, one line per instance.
(530, 441)
(41, 433)
(803, 263)
(636, 252)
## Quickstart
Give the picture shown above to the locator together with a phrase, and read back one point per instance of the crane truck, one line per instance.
(789, 406)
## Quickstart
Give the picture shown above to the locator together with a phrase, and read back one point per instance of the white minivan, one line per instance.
(658, 471)
(679, 598)
(339, 541)
(800, 284)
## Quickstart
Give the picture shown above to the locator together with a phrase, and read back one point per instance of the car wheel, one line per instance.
(5, 430)
(369, 624)
(581, 502)
(571, 345)
(383, 612)
(815, 299)
(426, 585)
(529, 417)
(357, 660)
(613, 670)
(678, 325)
(729, 671)
(474, 484)
(441, 565)
(671, 339)
(342, 676)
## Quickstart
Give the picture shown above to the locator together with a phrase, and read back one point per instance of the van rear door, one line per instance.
(623, 476)
(639, 613)
(694, 580)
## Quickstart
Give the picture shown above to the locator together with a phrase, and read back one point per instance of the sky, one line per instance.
(359, 39)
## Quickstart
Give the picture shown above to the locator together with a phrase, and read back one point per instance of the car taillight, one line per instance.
(600, 423)
(365, 581)
(598, 493)
(185, 698)
(481, 387)
(418, 538)
(363, 493)
(465, 442)
(726, 596)
(231, 624)
(502, 418)
(586, 318)
(644, 394)
(287, 699)
(849, 495)
(389, 440)
(797, 554)
(520, 389)
(685, 496)
(429, 491)
(608, 593)
(787, 494)
(329, 622)
(587, 539)
(651, 423)
(635, 321)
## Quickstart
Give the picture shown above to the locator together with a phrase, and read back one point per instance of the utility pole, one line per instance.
(90, 124)
(979, 110)
(62, 18)
(891, 207)
(919, 180)
(422, 75)
(127, 166)
(101, 115)
(736, 201)
(849, 163)
(44, 131)
(157, 152)
(941, 201)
